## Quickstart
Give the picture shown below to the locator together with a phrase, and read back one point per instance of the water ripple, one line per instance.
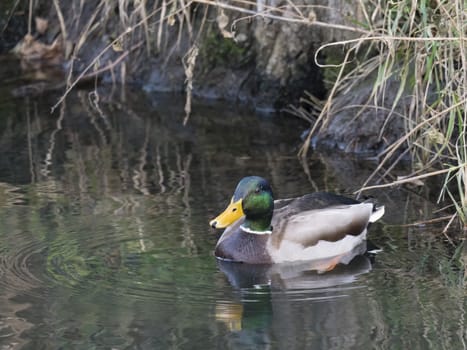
(16, 268)
(123, 266)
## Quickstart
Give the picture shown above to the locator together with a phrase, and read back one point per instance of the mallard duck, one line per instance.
(316, 226)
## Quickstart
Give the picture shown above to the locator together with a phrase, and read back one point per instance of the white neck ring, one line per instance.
(248, 230)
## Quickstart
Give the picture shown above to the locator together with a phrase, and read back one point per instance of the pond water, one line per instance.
(105, 242)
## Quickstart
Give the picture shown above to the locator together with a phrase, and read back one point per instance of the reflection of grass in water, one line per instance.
(419, 287)
(110, 235)
(453, 269)
(107, 175)
(9, 195)
(69, 269)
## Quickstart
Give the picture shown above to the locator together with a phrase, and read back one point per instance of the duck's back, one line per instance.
(316, 200)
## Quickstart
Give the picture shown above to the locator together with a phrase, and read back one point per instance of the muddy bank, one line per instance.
(243, 54)
(240, 55)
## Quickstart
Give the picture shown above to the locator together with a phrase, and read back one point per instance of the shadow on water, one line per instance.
(105, 243)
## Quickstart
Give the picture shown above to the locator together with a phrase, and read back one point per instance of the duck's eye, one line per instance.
(258, 190)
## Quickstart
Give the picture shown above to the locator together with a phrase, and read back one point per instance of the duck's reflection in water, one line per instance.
(275, 300)
(299, 275)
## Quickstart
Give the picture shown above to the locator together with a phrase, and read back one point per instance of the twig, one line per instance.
(410, 179)
(427, 222)
(10, 15)
(61, 20)
(305, 21)
(30, 17)
(447, 227)
(383, 38)
(189, 62)
(112, 65)
(391, 149)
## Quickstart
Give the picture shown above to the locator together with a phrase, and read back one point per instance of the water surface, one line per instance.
(105, 243)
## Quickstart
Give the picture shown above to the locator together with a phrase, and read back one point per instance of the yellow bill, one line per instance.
(233, 212)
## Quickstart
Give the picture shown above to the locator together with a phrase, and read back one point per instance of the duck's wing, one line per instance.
(320, 216)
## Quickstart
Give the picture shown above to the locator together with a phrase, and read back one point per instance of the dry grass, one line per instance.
(423, 44)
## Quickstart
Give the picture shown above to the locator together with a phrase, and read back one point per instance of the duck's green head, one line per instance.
(253, 198)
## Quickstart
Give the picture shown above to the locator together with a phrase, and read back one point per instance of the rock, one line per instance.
(359, 124)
